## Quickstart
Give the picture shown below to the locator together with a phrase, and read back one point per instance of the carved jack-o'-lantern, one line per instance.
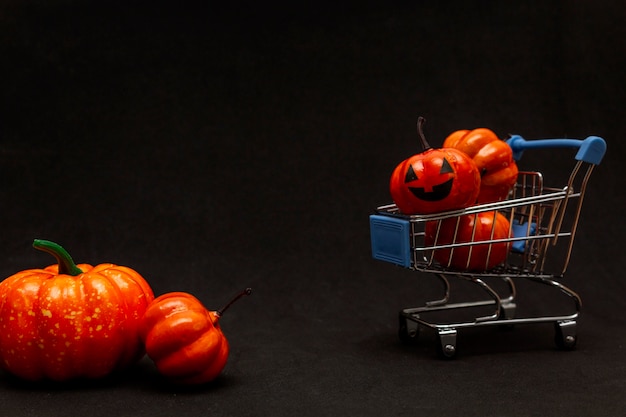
(434, 180)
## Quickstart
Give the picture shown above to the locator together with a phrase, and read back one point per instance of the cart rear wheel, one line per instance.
(565, 335)
(408, 330)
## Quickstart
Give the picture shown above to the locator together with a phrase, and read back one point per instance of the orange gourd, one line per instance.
(480, 227)
(71, 321)
(184, 339)
(493, 158)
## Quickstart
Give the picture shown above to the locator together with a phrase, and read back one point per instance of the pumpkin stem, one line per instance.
(66, 264)
(420, 132)
(221, 311)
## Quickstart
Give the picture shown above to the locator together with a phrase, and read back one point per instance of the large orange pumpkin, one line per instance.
(71, 321)
(493, 158)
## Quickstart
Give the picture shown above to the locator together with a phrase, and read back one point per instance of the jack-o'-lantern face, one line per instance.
(435, 180)
(431, 188)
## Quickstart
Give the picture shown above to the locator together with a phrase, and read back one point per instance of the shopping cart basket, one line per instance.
(542, 224)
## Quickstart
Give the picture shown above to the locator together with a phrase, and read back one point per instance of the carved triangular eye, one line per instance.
(410, 174)
(446, 168)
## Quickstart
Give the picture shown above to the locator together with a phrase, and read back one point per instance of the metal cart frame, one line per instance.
(543, 223)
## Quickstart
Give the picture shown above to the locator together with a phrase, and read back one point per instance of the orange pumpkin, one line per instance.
(469, 228)
(184, 339)
(69, 321)
(434, 180)
(493, 158)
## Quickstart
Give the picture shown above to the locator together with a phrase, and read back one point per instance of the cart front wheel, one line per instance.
(408, 330)
(447, 343)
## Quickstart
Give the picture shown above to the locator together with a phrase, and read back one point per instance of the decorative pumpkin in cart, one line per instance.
(493, 158)
(465, 230)
(71, 321)
(184, 339)
(434, 180)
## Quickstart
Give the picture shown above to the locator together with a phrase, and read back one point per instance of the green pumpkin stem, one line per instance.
(221, 311)
(420, 132)
(66, 264)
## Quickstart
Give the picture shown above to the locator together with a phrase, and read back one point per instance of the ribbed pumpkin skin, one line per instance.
(60, 327)
(493, 158)
(184, 339)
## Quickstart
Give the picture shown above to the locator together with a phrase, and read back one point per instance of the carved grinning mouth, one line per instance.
(439, 192)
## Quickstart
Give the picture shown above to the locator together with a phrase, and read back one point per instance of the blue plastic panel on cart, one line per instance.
(522, 230)
(390, 239)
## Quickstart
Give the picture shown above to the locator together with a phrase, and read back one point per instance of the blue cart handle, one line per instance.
(590, 150)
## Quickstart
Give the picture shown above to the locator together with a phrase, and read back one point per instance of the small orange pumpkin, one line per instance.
(493, 158)
(184, 339)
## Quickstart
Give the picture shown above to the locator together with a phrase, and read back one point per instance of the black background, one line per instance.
(213, 147)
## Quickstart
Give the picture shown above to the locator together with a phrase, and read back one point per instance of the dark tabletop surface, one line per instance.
(214, 147)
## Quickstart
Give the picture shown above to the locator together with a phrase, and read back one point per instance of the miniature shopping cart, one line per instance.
(542, 222)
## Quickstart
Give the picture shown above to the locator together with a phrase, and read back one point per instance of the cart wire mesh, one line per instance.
(541, 225)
